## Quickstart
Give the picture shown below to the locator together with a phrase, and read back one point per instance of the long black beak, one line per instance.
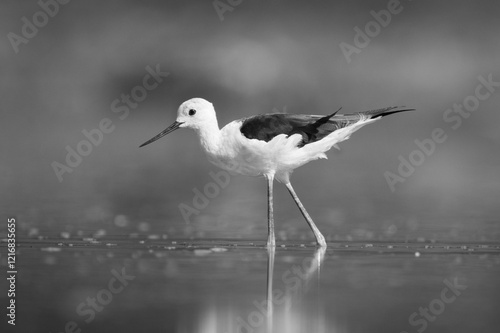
(167, 130)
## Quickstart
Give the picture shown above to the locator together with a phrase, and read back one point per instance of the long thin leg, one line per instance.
(270, 218)
(319, 237)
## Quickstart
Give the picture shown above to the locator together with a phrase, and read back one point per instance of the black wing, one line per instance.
(312, 128)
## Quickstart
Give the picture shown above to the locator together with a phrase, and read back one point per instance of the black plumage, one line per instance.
(312, 128)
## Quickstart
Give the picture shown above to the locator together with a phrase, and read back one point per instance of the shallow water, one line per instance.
(144, 285)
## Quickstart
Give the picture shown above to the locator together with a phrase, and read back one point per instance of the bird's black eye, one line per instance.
(192, 112)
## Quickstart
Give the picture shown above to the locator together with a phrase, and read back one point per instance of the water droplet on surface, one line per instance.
(218, 249)
(51, 249)
(202, 252)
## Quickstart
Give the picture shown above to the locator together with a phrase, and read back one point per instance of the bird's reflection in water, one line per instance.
(269, 288)
(291, 301)
(294, 287)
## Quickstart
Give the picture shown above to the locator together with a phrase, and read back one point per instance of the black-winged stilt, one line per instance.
(270, 145)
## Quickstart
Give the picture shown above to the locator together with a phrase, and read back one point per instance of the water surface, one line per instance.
(123, 284)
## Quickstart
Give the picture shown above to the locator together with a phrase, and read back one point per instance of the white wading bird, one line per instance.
(272, 145)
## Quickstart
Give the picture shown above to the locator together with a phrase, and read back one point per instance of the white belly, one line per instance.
(279, 156)
(251, 157)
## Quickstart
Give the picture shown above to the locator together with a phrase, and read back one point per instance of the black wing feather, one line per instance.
(312, 128)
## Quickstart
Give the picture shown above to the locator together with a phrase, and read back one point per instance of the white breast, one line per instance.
(240, 155)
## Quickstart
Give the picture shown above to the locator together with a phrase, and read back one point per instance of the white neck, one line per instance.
(210, 137)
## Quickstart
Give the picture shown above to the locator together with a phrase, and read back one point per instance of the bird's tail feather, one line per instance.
(386, 111)
(353, 117)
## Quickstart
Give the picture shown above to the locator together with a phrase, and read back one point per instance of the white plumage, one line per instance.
(279, 156)
(270, 145)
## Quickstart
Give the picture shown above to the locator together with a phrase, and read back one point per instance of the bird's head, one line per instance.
(194, 113)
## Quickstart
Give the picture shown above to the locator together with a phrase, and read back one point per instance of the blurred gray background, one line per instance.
(264, 56)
